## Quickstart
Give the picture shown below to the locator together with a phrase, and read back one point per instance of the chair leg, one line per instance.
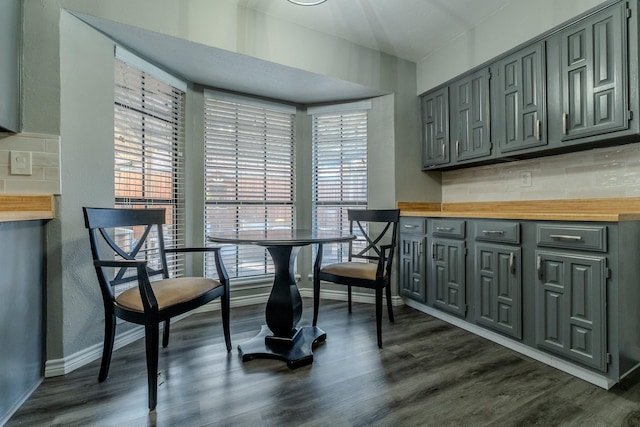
(107, 347)
(389, 306)
(316, 298)
(165, 333)
(379, 316)
(225, 303)
(151, 344)
(349, 296)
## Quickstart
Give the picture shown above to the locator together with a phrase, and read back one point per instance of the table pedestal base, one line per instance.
(297, 352)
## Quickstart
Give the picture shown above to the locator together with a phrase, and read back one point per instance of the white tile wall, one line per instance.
(45, 154)
(599, 173)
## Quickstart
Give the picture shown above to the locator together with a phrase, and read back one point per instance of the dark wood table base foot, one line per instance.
(297, 352)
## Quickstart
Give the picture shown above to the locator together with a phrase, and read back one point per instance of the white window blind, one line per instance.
(249, 176)
(149, 163)
(339, 172)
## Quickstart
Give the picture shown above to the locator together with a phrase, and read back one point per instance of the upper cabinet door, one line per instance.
(519, 86)
(593, 81)
(470, 117)
(435, 128)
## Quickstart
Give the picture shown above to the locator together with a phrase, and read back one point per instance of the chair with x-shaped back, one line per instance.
(369, 262)
(128, 247)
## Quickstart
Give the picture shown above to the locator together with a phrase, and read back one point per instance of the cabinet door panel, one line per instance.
(570, 306)
(470, 117)
(435, 119)
(594, 92)
(498, 298)
(412, 263)
(520, 122)
(449, 275)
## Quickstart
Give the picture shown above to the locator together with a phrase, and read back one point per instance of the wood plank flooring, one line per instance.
(428, 374)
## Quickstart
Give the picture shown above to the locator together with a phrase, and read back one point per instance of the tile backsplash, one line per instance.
(45, 155)
(598, 173)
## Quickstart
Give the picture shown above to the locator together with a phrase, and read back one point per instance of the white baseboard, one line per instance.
(57, 367)
(341, 295)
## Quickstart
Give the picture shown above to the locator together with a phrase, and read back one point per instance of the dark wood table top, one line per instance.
(298, 237)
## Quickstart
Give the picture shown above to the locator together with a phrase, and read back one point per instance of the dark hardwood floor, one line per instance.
(428, 374)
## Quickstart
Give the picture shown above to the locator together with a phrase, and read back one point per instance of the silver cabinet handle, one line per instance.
(457, 148)
(512, 263)
(433, 250)
(565, 237)
(410, 226)
(493, 232)
(444, 228)
(538, 130)
(565, 117)
(444, 153)
(539, 267)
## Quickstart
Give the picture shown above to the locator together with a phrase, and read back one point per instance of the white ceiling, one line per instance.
(408, 29)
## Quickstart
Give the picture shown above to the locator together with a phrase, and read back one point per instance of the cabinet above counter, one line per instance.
(26, 207)
(572, 88)
(608, 210)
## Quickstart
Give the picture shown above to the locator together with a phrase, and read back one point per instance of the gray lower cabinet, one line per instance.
(570, 306)
(412, 259)
(565, 290)
(570, 291)
(448, 266)
(498, 276)
(498, 288)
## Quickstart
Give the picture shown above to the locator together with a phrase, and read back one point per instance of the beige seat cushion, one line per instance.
(169, 292)
(356, 270)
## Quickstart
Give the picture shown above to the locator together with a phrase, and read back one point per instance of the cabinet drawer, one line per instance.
(448, 227)
(591, 238)
(412, 225)
(498, 231)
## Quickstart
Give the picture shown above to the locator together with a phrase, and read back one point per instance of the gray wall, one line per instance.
(517, 22)
(68, 78)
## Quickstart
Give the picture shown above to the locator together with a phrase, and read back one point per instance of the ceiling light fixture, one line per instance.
(307, 2)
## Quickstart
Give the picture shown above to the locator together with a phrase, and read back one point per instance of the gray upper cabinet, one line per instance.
(470, 117)
(10, 41)
(520, 100)
(435, 128)
(574, 87)
(593, 74)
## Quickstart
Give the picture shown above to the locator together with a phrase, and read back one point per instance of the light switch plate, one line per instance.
(21, 163)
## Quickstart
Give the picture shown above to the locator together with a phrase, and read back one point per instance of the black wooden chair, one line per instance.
(151, 301)
(375, 245)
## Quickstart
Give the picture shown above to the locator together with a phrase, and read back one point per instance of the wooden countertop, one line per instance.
(611, 210)
(25, 207)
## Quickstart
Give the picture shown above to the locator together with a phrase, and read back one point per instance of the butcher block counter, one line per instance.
(26, 207)
(608, 210)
